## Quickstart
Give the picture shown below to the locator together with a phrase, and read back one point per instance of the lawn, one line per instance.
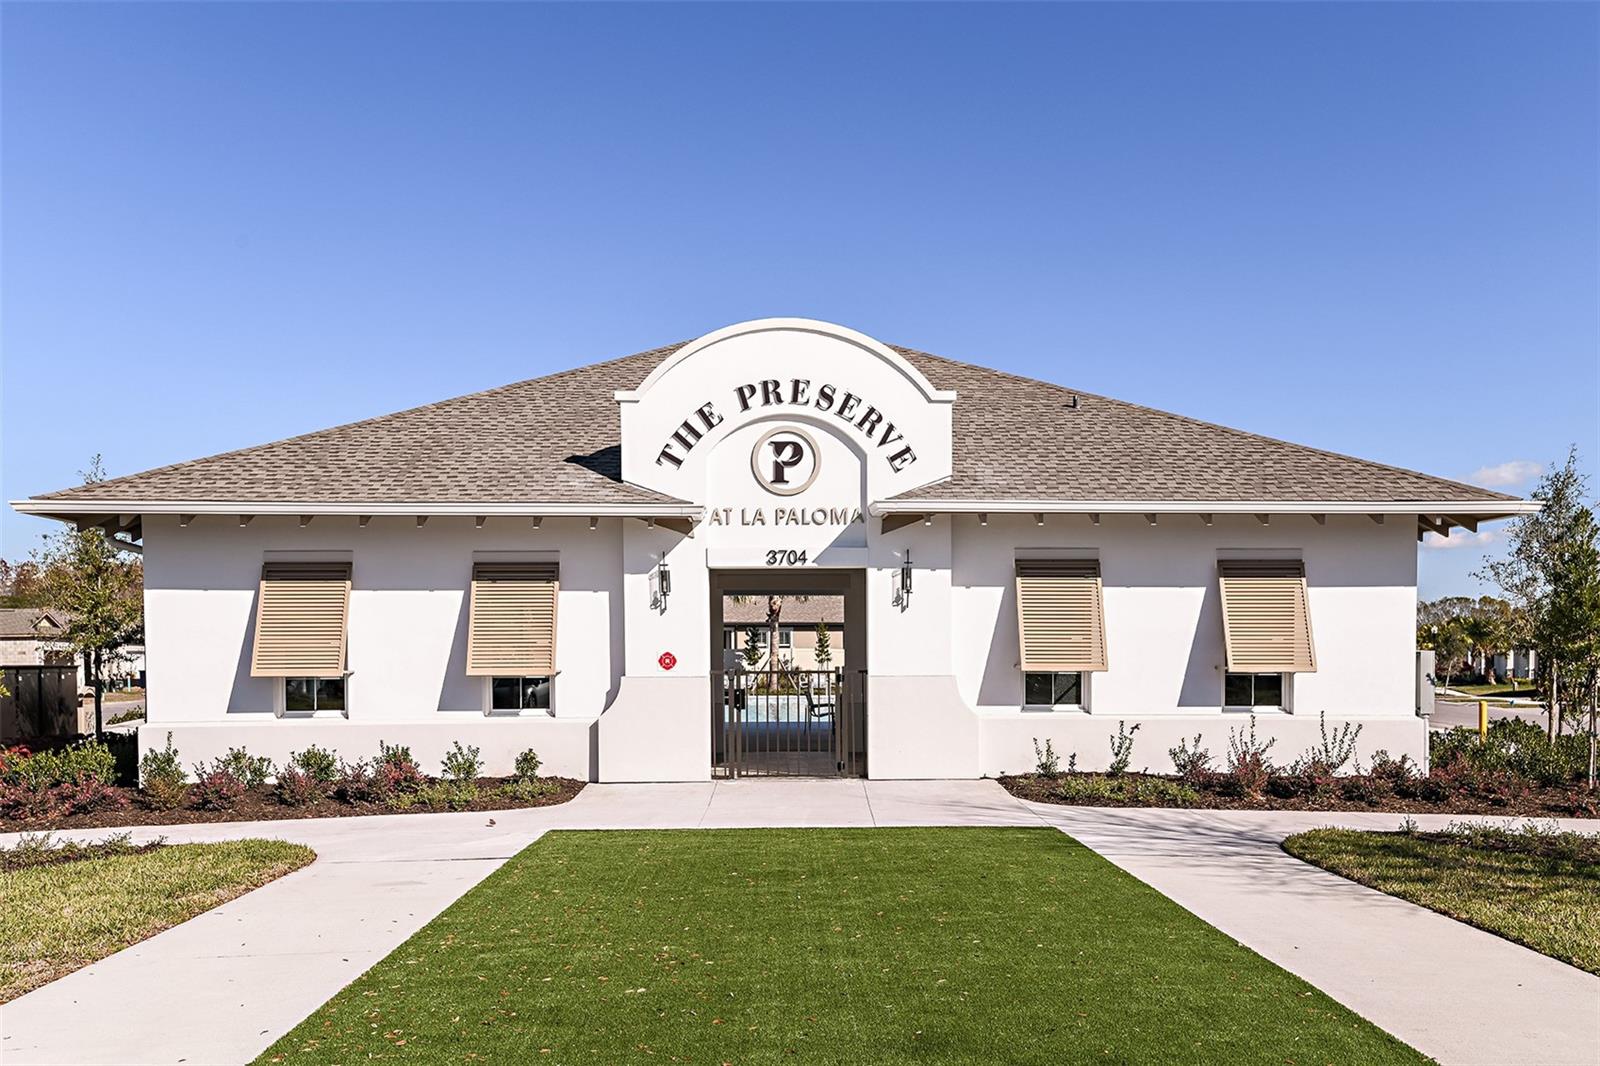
(1541, 890)
(825, 946)
(60, 916)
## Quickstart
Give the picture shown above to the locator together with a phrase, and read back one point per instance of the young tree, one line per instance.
(97, 593)
(1449, 645)
(754, 637)
(823, 652)
(1546, 574)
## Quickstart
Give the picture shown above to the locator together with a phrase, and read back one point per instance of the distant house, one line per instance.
(32, 636)
(797, 630)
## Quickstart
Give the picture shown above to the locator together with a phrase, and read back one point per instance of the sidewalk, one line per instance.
(222, 987)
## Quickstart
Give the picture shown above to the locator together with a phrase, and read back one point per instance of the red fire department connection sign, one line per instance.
(667, 660)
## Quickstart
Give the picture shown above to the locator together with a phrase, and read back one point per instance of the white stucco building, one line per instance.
(545, 565)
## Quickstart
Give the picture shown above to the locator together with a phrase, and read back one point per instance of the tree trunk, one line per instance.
(99, 721)
(1551, 701)
(1592, 701)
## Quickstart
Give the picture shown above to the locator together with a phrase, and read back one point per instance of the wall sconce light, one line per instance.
(663, 586)
(902, 592)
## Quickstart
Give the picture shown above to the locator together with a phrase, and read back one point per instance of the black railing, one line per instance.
(797, 723)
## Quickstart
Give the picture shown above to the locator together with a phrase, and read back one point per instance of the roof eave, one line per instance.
(1480, 508)
(70, 510)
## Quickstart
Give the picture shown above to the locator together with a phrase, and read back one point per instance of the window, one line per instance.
(1052, 689)
(308, 695)
(1252, 690)
(519, 694)
(785, 638)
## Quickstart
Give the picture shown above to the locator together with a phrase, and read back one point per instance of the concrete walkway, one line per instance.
(224, 986)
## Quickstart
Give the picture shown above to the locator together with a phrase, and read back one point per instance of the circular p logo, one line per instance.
(785, 461)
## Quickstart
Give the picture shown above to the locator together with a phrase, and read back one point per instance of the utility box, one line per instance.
(1424, 682)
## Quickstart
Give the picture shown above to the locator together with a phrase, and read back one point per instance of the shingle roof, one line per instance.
(796, 611)
(18, 623)
(555, 439)
(1017, 438)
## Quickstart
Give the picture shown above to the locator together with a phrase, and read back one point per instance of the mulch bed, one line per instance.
(1573, 801)
(261, 804)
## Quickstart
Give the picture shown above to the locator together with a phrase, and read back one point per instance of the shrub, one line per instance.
(296, 788)
(356, 783)
(1369, 790)
(74, 797)
(1337, 749)
(1046, 762)
(253, 770)
(527, 766)
(1308, 776)
(216, 789)
(319, 764)
(1516, 746)
(1248, 764)
(396, 772)
(402, 801)
(448, 795)
(161, 778)
(395, 755)
(9, 758)
(1400, 774)
(42, 770)
(462, 765)
(1125, 790)
(1122, 749)
(525, 789)
(1192, 764)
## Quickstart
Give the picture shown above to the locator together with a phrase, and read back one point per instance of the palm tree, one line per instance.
(1479, 632)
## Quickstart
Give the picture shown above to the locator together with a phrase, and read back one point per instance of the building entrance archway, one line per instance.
(772, 715)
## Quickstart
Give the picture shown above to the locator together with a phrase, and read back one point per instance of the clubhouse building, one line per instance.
(576, 563)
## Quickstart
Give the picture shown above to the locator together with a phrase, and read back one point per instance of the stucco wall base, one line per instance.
(566, 746)
(1006, 744)
(657, 729)
(919, 727)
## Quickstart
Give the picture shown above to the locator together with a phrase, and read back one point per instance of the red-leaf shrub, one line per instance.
(297, 788)
(217, 789)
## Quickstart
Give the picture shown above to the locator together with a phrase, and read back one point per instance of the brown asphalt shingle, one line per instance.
(555, 439)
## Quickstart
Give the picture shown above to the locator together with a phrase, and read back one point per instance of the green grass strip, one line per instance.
(825, 946)
(62, 917)
(1547, 903)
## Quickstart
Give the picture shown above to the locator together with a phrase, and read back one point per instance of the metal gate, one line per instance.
(795, 723)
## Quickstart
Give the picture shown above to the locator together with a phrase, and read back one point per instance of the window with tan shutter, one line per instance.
(302, 610)
(512, 628)
(1266, 618)
(1060, 617)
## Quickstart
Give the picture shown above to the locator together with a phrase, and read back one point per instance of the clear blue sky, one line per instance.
(1366, 227)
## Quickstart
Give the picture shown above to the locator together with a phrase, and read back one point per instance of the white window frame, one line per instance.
(1081, 707)
(280, 698)
(1286, 707)
(489, 710)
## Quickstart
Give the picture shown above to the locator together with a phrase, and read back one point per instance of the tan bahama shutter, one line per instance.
(1060, 617)
(1266, 619)
(512, 631)
(301, 612)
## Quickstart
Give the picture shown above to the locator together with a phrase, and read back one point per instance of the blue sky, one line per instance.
(1370, 228)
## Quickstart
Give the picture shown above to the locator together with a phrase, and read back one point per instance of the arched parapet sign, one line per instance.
(788, 394)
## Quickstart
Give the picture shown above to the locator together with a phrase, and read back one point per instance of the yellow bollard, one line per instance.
(1483, 720)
